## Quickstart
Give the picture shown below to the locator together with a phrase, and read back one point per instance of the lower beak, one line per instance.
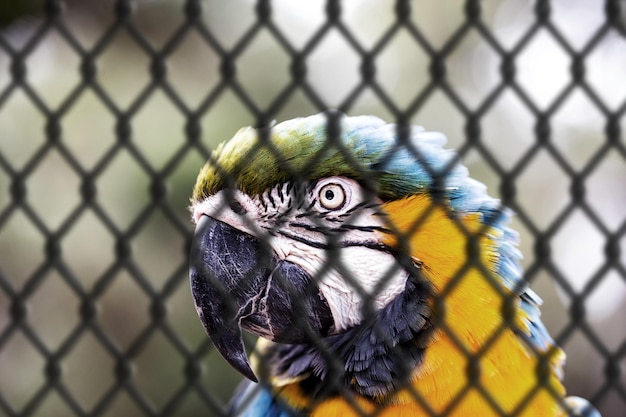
(238, 282)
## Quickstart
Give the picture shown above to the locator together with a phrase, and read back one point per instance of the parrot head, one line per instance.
(301, 237)
(367, 260)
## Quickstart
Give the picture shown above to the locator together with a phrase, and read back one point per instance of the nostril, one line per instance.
(237, 207)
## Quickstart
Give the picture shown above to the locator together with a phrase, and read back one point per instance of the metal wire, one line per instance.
(122, 358)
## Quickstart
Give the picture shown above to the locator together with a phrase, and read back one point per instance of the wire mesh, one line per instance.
(108, 109)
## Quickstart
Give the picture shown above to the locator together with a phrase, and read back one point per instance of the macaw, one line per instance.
(381, 279)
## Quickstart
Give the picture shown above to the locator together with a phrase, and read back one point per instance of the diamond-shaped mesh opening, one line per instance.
(88, 130)
(543, 84)
(473, 69)
(123, 67)
(109, 109)
(150, 379)
(508, 130)
(52, 86)
(550, 208)
(147, 242)
(53, 318)
(156, 135)
(193, 83)
(53, 177)
(124, 301)
(333, 65)
(22, 249)
(22, 127)
(89, 262)
(182, 317)
(577, 249)
(263, 69)
(88, 371)
(123, 201)
(577, 130)
(402, 68)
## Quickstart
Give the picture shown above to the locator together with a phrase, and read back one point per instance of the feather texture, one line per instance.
(453, 229)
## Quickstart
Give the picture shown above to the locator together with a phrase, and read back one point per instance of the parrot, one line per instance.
(380, 278)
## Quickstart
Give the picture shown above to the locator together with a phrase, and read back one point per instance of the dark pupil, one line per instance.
(329, 194)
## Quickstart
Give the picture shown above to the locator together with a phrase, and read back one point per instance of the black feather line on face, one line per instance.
(374, 359)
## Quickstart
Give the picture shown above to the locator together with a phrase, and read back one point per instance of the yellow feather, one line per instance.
(468, 301)
(471, 298)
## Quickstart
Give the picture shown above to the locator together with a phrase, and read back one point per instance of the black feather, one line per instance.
(375, 358)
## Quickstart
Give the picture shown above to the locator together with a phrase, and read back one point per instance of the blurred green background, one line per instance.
(126, 321)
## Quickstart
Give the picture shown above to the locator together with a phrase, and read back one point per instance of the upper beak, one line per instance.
(237, 282)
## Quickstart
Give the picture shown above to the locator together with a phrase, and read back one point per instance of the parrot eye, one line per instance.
(332, 196)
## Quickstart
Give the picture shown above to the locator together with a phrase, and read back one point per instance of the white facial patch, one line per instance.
(361, 276)
(352, 277)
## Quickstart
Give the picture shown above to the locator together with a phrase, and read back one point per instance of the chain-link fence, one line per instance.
(108, 110)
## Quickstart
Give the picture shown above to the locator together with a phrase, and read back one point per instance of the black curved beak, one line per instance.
(238, 282)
